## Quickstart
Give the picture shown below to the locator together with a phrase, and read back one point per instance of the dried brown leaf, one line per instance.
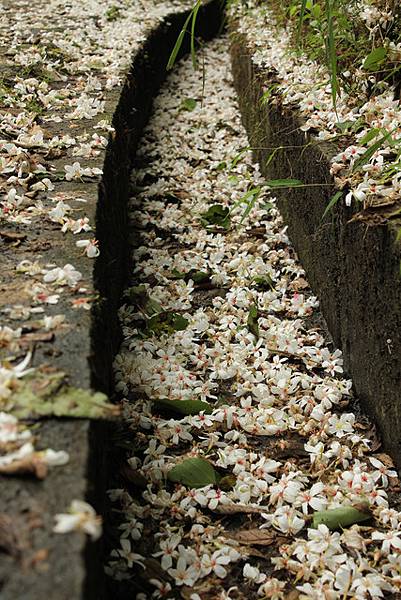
(299, 284)
(254, 537)
(134, 477)
(233, 509)
(257, 231)
(385, 459)
(36, 337)
(252, 551)
(12, 236)
(210, 589)
(31, 465)
(368, 218)
(291, 449)
(182, 194)
(153, 570)
(375, 444)
(373, 436)
(293, 595)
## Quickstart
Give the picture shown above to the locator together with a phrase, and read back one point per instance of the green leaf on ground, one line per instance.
(140, 298)
(166, 322)
(301, 21)
(194, 473)
(342, 516)
(267, 206)
(176, 274)
(172, 197)
(369, 136)
(227, 482)
(367, 155)
(217, 214)
(344, 126)
(199, 276)
(183, 407)
(189, 104)
(249, 200)
(375, 58)
(252, 322)
(113, 13)
(48, 396)
(196, 276)
(264, 100)
(239, 157)
(263, 283)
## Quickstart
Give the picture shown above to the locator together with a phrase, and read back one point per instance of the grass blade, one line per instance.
(331, 52)
(272, 155)
(374, 132)
(178, 44)
(253, 197)
(249, 199)
(301, 21)
(239, 157)
(332, 202)
(366, 156)
(283, 183)
(193, 25)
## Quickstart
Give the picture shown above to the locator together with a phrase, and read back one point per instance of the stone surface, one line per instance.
(40, 564)
(353, 268)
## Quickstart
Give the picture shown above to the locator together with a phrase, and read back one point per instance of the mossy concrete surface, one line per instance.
(35, 563)
(354, 268)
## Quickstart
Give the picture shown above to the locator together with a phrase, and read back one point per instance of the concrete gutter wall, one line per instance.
(37, 563)
(353, 268)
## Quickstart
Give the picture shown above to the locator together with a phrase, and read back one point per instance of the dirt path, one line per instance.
(224, 364)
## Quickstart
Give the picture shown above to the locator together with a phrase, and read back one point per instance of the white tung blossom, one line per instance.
(80, 517)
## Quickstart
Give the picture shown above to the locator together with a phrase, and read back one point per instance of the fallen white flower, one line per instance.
(55, 458)
(81, 517)
(91, 247)
(67, 275)
(23, 452)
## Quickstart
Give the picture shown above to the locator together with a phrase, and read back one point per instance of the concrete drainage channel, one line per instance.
(187, 340)
(332, 255)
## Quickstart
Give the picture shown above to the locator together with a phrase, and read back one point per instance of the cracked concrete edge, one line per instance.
(352, 268)
(69, 567)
